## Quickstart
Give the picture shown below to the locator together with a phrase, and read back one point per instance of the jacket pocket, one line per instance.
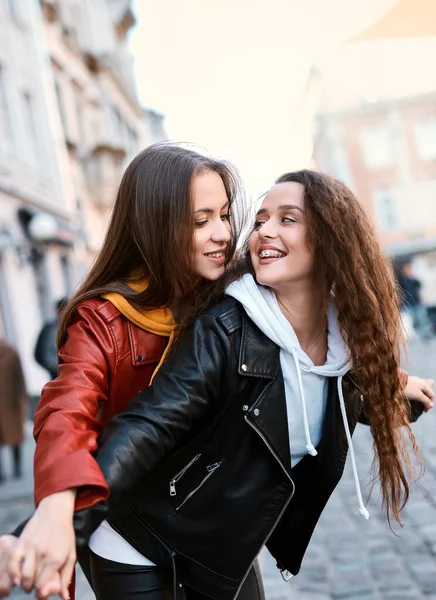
(206, 472)
(180, 474)
(210, 471)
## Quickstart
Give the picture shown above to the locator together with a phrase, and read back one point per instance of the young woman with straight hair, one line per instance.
(171, 234)
(243, 435)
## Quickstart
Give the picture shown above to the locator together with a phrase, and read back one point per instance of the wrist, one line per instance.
(63, 501)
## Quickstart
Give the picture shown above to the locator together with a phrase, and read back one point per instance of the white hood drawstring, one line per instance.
(309, 446)
(363, 511)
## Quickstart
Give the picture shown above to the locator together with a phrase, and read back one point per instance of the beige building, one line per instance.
(70, 120)
(386, 152)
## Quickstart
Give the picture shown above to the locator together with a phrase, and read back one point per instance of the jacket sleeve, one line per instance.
(159, 418)
(66, 426)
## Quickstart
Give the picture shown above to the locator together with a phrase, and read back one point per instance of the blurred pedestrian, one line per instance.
(13, 405)
(413, 311)
(46, 349)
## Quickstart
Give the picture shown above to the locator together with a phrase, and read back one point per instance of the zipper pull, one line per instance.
(172, 488)
(214, 466)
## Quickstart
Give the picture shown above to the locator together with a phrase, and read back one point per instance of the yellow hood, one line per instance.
(159, 321)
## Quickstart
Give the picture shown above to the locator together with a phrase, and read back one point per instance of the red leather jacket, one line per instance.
(105, 361)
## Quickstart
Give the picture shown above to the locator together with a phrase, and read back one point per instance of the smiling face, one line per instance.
(212, 226)
(279, 250)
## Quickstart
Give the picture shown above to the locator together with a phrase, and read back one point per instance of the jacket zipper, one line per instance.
(180, 474)
(211, 470)
(263, 438)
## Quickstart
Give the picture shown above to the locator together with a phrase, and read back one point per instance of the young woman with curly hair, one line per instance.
(244, 433)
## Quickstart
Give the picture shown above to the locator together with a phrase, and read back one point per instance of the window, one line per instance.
(78, 106)
(33, 149)
(93, 169)
(385, 209)
(60, 105)
(5, 117)
(425, 138)
(376, 146)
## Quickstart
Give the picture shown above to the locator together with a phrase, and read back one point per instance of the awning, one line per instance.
(407, 18)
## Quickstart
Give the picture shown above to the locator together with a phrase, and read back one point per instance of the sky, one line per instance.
(231, 75)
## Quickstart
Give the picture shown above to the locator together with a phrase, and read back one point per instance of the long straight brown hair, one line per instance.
(150, 233)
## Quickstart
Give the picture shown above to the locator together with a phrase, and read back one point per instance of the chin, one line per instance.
(213, 275)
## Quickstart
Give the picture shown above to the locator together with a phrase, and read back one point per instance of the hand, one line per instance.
(7, 543)
(420, 390)
(46, 550)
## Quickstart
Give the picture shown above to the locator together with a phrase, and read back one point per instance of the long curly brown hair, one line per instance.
(350, 262)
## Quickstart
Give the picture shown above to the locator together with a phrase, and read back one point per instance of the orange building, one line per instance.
(386, 152)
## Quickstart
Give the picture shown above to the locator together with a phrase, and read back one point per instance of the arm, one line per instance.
(159, 418)
(66, 426)
(66, 431)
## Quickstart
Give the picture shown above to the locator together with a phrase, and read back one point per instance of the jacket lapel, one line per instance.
(260, 357)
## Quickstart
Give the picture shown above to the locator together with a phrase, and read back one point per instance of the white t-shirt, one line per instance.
(109, 544)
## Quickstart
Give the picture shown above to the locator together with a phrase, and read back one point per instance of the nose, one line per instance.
(221, 232)
(268, 230)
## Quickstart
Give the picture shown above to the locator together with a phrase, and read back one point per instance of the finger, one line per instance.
(15, 564)
(28, 570)
(428, 386)
(428, 392)
(6, 584)
(46, 574)
(51, 588)
(423, 399)
(66, 574)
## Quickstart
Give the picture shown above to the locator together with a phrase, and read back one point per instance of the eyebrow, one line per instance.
(282, 207)
(210, 210)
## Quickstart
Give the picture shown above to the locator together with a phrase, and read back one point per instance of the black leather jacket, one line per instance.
(201, 460)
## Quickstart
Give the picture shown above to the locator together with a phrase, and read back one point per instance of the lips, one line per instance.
(218, 257)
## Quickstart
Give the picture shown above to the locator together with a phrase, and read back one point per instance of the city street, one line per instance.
(349, 557)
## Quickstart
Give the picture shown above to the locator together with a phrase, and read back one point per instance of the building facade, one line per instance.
(386, 152)
(70, 120)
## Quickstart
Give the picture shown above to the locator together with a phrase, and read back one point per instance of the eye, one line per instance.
(289, 220)
(258, 224)
(201, 223)
(226, 217)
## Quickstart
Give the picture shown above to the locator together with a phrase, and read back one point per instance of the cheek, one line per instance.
(252, 243)
(199, 241)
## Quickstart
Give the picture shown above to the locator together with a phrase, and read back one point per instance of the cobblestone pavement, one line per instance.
(349, 558)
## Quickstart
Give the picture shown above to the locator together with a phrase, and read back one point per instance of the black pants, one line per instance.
(117, 581)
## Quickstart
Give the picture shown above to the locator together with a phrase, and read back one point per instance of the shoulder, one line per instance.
(98, 309)
(228, 313)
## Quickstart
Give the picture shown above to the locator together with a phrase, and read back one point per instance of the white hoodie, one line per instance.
(306, 385)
